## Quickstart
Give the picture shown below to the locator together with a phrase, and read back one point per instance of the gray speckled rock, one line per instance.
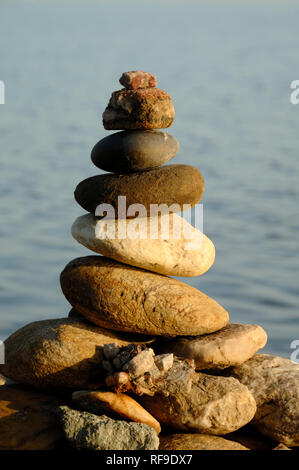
(127, 151)
(230, 346)
(87, 431)
(274, 383)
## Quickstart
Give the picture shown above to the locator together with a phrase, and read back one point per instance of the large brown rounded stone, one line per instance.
(129, 151)
(62, 353)
(170, 185)
(144, 108)
(197, 442)
(124, 298)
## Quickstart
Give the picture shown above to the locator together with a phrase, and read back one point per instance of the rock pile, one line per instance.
(134, 331)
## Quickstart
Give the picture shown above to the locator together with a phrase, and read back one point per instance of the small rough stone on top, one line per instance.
(138, 79)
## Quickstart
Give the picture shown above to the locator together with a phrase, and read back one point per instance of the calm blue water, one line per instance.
(228, 67)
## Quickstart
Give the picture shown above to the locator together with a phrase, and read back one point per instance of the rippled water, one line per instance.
(228, 67)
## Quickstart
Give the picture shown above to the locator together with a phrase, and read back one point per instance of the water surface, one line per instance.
(228, 67)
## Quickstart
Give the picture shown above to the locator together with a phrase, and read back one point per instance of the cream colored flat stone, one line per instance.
(165, 244)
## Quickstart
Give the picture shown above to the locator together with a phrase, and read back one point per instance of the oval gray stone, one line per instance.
(137, 150)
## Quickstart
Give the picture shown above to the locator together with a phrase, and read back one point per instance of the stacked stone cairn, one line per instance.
(142, 354)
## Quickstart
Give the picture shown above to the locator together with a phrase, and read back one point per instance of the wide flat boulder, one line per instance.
(124, 298)
(64, 353)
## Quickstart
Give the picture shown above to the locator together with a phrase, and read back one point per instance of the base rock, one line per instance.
(62, 353)
(274, 383)
(197, 442)
(28, 420)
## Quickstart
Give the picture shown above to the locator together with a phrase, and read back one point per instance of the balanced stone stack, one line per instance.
(132, 328)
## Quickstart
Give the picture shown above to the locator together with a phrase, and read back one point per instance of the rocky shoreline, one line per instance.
(143, 361)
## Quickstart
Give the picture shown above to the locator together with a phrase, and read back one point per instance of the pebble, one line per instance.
(170, 184)
(87, 431)
(63, 353)
(187, 253)
(203, 404)
(117, 404)
(232, 345)
(137, 79)
(121, 297)
(130, 151)
(144, 108)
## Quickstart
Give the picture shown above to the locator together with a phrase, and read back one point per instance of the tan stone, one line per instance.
(27, 421)
(144, 108)
(232, 345)
(274, 383)
(60, 353)
(198, 402)
(117, 404)
(191, 253)
(197, 442)
(121, 297)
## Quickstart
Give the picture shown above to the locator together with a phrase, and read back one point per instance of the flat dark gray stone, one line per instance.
(137, 150)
